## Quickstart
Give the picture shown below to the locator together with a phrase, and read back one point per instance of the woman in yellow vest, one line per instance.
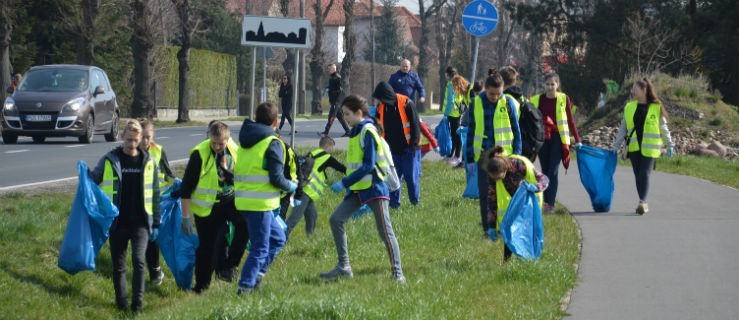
(316, 186)
(166, 177)
(559, 124)
(507, 172)
(207, 193)
(127, 174)
(461, 101)
(643, 127)
(366, 183)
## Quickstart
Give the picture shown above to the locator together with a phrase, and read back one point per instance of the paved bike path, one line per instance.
(678, 261)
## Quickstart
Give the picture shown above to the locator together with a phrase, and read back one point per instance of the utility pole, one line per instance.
(372, 46)
(301, 66)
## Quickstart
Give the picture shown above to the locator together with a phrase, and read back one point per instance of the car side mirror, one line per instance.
(10, 90)
(98, 90)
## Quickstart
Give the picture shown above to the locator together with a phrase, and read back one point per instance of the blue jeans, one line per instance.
(267, 239)
(408, 167)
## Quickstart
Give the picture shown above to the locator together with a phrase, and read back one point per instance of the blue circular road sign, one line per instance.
(480, 18)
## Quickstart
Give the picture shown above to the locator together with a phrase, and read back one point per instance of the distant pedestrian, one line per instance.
(286, 100)
(334, 93)
(128, 175)
(407, 82)
(644, 127)
(559, 124)
(402, 131)
(366, 186)
(462, 90)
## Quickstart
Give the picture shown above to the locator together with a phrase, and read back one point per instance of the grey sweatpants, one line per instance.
(379, 207)
(308, 208)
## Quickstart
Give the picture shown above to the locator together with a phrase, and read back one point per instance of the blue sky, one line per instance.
(412, 5)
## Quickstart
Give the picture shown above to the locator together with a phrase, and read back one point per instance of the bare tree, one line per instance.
(424, 48)
(318, 56)
(446, 27)
(7, 10)
(651, 45)
(142, 43)
(350, 41)
(188, 26)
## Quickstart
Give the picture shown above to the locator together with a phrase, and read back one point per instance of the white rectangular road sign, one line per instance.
(276, 32)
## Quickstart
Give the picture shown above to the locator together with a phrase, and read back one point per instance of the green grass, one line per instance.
(717, 170)
(453, 272)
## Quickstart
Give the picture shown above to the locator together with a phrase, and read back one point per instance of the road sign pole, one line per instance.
(474, 59)
(294, 111)
(253, 81)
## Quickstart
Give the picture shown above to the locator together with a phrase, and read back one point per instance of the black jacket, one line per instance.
(392, 124)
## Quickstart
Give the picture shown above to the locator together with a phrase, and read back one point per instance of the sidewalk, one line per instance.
(678, 261)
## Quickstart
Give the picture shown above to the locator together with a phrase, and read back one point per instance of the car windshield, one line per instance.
(55, 80)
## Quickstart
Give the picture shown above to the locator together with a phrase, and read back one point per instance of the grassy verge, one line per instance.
(453, 272)
(720, 171)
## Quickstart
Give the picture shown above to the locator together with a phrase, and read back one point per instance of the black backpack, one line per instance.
(532, 129)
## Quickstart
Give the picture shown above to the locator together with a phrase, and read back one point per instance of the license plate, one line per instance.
(38, 117)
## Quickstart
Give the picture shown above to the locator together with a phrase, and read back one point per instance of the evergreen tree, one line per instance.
(389, 45)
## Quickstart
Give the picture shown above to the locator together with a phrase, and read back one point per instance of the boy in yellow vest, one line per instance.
(259, 180)
(315, 187)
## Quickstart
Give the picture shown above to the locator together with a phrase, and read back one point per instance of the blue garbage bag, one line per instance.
(361, 211)
(87, 226)
(597, 167)
(177, 248)
(522, 227)
(444, 137)
(471, 191)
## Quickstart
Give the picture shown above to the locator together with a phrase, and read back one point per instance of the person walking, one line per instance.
(128, 175)
(366, 186)
(462, 90)
(507, 172)
(490, 107)
(322, 160)
(165, 178)
(407, 82)
(334, 92)
(644, 127)
(401, 129)
(448, 106)
(559, 124)
(207, 192)
(258, 186)
(286, 101)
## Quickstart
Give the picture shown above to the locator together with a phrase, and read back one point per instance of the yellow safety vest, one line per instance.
(111, 184)
(560, 114)
(317, 182)
(252, 188)
(206, 192)
(502, 132)
(504, 198)
(355, 155)
(651, 144)
(155, 151)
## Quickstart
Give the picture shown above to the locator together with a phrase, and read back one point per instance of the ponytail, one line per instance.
(650, 94)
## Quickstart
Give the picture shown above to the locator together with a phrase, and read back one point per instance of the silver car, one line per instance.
(61, 100)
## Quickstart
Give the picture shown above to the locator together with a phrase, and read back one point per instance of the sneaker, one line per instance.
(136, 308)
(338, 272)
(346, 134)
(259, 280)
(642, 208)
(156, 277)
(228, 274)
(548, 208)
(322, 134)
(400, 280)
(244, 290)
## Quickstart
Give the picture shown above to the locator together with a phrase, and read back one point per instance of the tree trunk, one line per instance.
(423, 57)
(445, 40)
(141, 46)
(86, 37)
(349, 44)
(6, 32)
(183, 59)
(317, 57)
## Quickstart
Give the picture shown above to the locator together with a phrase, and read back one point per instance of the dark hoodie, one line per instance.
(392, 124)
(251, 133)
(514, 92)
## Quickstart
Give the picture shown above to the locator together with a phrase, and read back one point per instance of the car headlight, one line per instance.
(9, 105)
(73, 105)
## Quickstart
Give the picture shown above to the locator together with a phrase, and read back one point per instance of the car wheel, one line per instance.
(9, 138)
(113, 134)
(89, 130)
(38, 139)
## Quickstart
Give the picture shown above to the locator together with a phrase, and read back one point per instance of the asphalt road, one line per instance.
(27, 163)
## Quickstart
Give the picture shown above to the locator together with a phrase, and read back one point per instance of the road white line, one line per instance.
(196, 134)
(75, 146)
(35, 183)
(17, 151)
(162, 137)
